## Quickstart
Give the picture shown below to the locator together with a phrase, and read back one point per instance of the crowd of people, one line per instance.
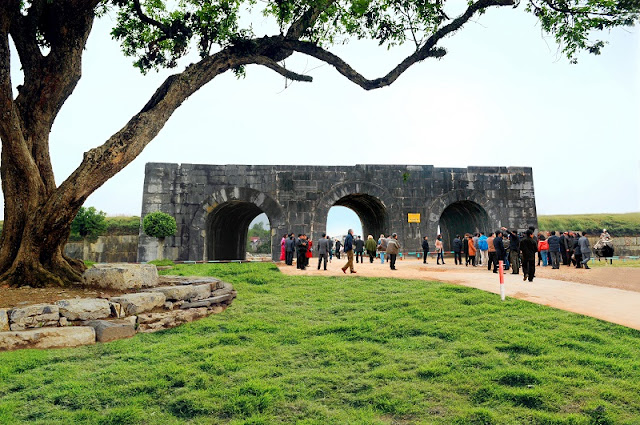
(516, 250)
(353, 247)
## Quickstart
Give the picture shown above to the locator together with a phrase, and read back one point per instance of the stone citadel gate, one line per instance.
(214, 204)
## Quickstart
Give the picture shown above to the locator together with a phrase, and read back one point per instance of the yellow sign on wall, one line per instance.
(414, 218)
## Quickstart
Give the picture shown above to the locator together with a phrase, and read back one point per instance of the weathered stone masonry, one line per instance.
(214, 204)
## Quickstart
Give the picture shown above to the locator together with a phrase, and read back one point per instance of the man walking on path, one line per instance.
(393, 248)
(338, 247)
(554, 250)
(528, 247)
(425, 249)
(323, 250)
(585, 250)
(348, 249)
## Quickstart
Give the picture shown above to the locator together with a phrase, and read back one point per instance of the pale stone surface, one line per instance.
(209, 301)
(222, 288)
(121, 276)
(152, 322)
(34, 316)
(116, 310)
(111, 330)
(70, 336)
(141, 302)
(185, 292)
(63, 321)
(4, 320)
(84, 308)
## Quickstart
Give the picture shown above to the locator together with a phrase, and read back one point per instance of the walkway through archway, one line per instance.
(227, 227)
(370, 210)
(462, 217)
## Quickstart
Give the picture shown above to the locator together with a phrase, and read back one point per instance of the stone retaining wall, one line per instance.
(83, 321)
(106, 249)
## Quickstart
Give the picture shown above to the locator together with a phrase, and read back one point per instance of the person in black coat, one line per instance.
(289, 249)
(457, 250)
(359, 249)
(425, 249)
(498, 244)
(528, 247)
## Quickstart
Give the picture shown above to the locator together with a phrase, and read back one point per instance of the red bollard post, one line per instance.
(500, 265)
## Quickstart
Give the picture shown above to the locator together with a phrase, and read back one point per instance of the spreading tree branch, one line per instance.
(271, 64)
(429, 49)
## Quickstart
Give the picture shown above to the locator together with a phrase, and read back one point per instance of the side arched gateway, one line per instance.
(459, 212)
(225, 219)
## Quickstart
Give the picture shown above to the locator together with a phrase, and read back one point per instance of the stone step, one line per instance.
(209, 301)
(71, 336)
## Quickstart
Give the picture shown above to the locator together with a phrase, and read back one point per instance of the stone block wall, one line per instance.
(213, 204)
(106, 249)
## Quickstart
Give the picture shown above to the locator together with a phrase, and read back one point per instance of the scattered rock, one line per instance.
(121, 276)
(4, 319)
(209, 301)
(116, 310)
(110, 330)
(64, 321)
(84, 308)
(70, 336)
(152, 322)
(185, 292)
(34, 316)
(138, 303)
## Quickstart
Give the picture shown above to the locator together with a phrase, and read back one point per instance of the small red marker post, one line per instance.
(500, 265)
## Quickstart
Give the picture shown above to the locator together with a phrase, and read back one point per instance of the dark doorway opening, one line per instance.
(462, 217)
(227, 228)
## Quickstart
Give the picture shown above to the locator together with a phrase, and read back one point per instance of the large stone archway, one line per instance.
(213, 204)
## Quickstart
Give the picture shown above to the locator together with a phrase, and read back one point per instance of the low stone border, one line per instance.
(83, 321)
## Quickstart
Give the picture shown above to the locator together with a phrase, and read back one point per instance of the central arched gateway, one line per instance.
(373, 205)
(372, 213)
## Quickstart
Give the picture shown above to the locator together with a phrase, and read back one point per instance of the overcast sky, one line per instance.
(502, 96)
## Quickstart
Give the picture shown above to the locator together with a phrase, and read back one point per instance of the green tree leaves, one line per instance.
(89, 223)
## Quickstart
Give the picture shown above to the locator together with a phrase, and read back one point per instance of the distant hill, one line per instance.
(616, 224)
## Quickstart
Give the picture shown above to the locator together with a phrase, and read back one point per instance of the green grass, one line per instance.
(335, 350)
(616, 263)
(616, 224)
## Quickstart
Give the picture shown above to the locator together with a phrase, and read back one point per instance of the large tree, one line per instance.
(50, 38)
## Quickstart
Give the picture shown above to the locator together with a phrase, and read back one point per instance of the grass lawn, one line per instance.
(340, 351)
(615, 263)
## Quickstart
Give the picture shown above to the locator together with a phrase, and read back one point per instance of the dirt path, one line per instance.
(607, 293)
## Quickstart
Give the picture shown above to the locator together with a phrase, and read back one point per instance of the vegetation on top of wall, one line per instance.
(116, 226)
(616, 224)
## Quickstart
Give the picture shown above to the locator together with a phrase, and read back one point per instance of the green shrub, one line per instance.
(159, 225)
(89, 223)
